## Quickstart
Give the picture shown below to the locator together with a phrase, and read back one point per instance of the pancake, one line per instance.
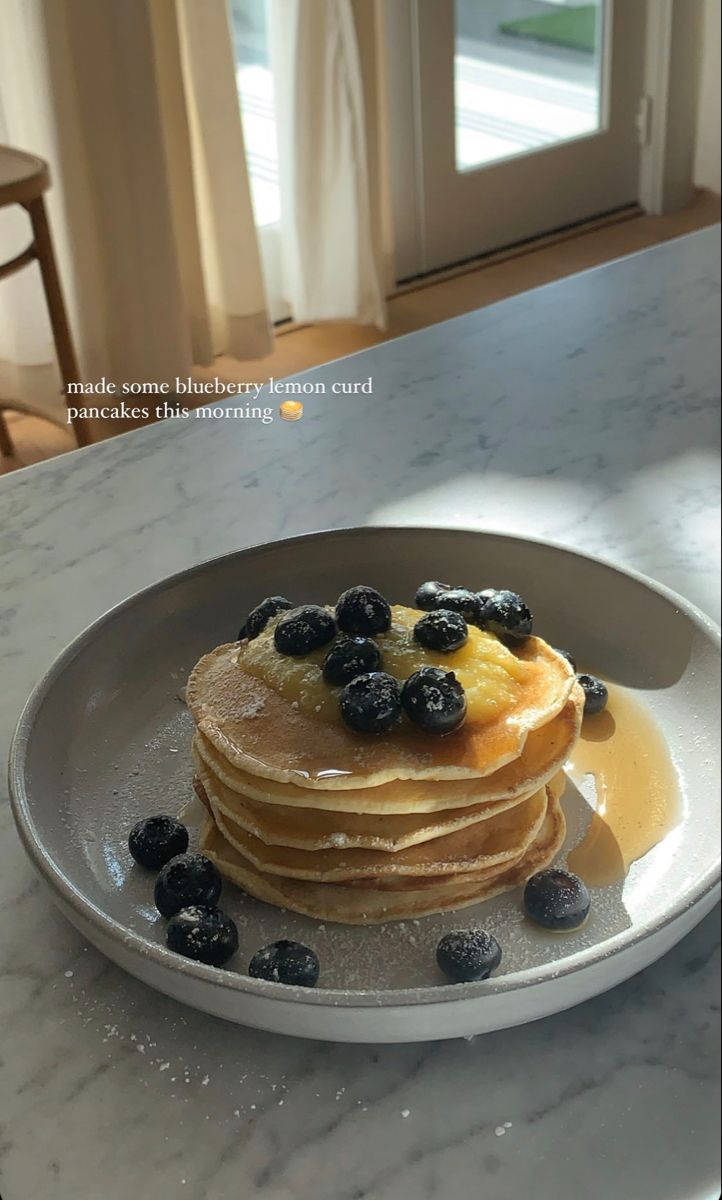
(365, 906)
(259, 731)
(544, 753)
(319, 829)
(404, 882)
(552, 793)
(473, 848)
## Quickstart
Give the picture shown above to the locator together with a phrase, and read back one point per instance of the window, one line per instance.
(527, 75)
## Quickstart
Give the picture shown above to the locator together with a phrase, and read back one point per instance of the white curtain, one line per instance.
(134, 104)
(331, 264)
(27, 356)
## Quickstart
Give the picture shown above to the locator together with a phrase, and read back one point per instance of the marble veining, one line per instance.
(585, 412)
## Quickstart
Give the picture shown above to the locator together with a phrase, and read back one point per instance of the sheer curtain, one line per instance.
(332, 268)
(134, 104)
(27, 356)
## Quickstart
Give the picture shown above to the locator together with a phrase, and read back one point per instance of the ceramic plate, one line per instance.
(104, 740)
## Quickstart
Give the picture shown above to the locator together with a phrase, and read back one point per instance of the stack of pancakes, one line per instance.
(310, 816)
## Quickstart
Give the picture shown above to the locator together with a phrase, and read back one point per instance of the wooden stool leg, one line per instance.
(6, 442)
(56, 305)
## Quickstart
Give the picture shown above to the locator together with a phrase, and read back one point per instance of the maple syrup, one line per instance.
(637, 790)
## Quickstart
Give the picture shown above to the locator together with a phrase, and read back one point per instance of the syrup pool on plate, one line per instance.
(636, 786)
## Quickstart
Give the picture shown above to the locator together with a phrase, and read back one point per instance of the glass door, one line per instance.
(521, 116)
(527, 75)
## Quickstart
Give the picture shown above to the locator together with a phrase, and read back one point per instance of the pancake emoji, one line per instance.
(367, 762)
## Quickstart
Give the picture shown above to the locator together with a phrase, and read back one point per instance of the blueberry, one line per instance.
(442, 629)
(350, 657)
(557, 899)
(434, 700)
(187, 879)
(204, 933)
(285, 962)
(426, 595)
(155, 840)
(304, 629)
(486, 593)
(371, 703)
(567, 654)
(363, 610)
(258, 617)
(595, 694)
(461, 600)
(466, 954)
(505, 614)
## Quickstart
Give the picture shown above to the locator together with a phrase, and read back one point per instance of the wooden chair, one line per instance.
(23, 180)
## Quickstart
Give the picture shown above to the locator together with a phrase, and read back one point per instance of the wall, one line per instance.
(707, 151)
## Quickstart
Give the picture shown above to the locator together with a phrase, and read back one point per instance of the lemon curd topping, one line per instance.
(491, 675)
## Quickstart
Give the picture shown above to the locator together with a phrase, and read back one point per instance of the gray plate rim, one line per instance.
(348, 999)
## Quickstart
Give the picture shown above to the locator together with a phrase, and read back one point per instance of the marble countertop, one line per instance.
(585, 412)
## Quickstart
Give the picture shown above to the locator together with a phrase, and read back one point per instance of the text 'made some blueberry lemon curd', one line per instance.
(364, 762)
